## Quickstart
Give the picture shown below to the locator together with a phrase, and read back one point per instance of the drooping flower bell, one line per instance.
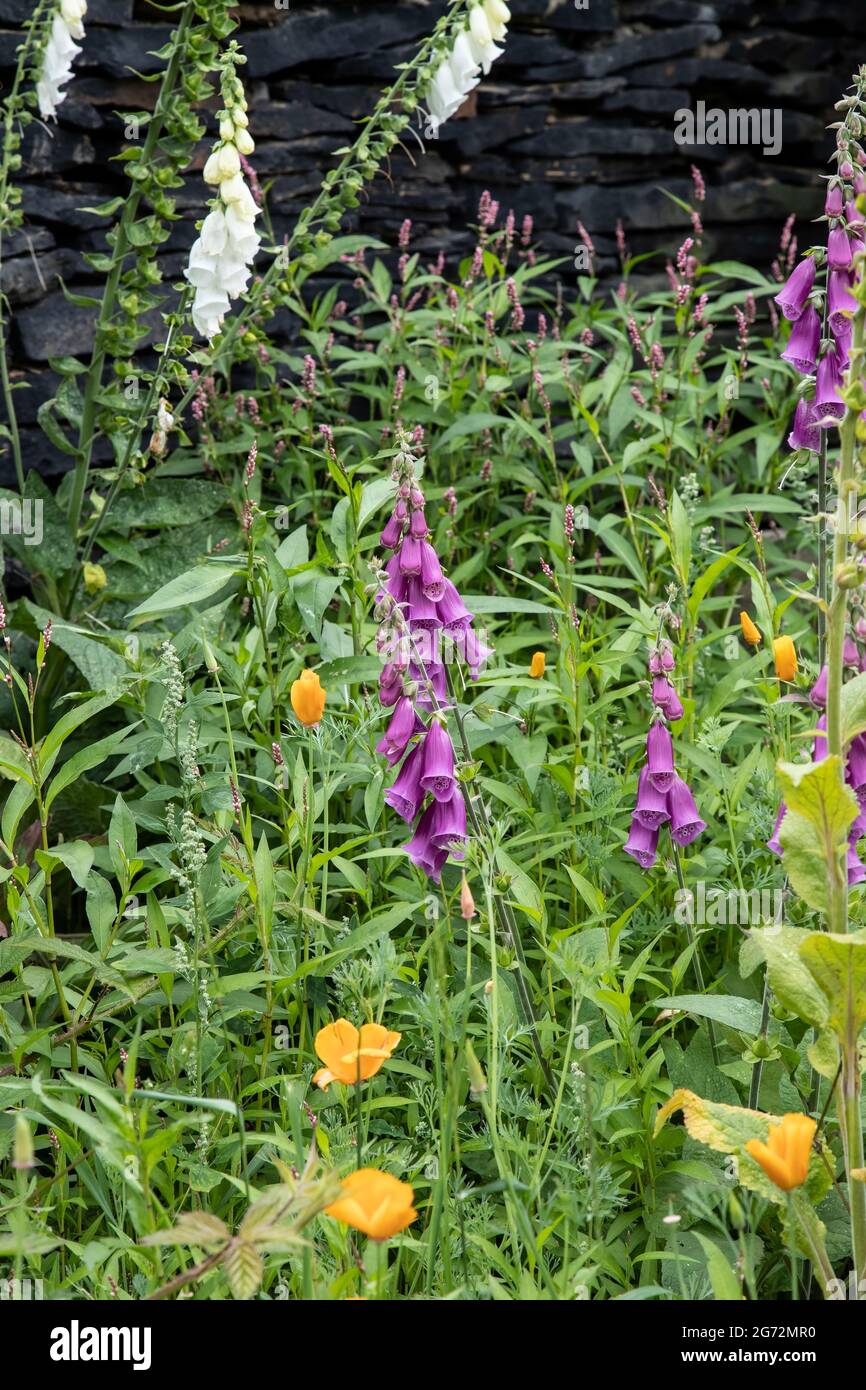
(59, 55)
(221, 257)
(794, 294)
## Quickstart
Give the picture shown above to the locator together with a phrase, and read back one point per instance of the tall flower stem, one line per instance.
(696, 959)
(119, 251)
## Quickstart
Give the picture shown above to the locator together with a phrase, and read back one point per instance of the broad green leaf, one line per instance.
(791, 981)
(729, 1009)
(187, 590)
(77, 856)
(838, 964)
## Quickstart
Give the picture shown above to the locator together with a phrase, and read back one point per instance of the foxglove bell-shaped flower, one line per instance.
(774, 842)
(58, 56)
(804, 341)
(828, 399)
(818, 693)
(686, 824)
(438, 775)
(404, 723)
(839, 249)
(221, 257)
(841, 303)
(473, 52)
(794, 294)
(642, 843)
(660, 758)
(407, 794)
(652, 805)
(805, 433)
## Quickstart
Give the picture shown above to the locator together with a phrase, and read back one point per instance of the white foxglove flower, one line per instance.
(221, 257)
(58, 56)
(474, 51)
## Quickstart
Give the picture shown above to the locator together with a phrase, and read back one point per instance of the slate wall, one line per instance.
(576, 121)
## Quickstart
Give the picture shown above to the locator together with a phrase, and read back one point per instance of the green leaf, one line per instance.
(814, 833)
(185, 591)
(790, 979)
(838, 964)
(77, 855)
(729, 1009)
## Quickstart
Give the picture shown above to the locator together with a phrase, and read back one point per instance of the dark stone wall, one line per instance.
(576, 121)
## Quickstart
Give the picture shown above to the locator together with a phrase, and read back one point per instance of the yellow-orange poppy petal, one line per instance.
(773, 1165)
(537, 665)
(308, 698)
(333, 1043)
(375, 1203)
(323, 1078)
(785, 656)
(749, 630)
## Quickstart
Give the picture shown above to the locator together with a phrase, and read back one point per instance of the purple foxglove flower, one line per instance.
(842, 343)
(409, 556)
(833, 201)
(819, 743)
(660, 758)
(686, 824)
(390, 694)
(435, 673)
(396, 585)
(662, 690)
(793, 295)
(850, 654)
(840, 301)
(418, 525)
(652, 805)
(858, 829)
(855, 769)
(803, 343)
(675, 709)
(774, 843)
(828, 401)
(390, 537)
(406, 795)
(856, 869)
(474, 651)
(438, 775)
(432, 578)
(449, 824)
(641, 844)
(421, 610)
(818, 693)
(805, 433)
(839, 254)
(668, 662)
(421, 849)
(452, 610)
(403, 724)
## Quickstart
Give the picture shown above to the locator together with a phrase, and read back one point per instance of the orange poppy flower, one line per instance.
(536, 665)
(376, 1203)
(308, 698)
(350, 1056)
(750, 632)
(785, 1156)
(785, 656)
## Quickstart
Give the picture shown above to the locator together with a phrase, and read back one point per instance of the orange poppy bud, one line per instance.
(786, 658)
(376, 1203)
(536, 665)
(785, 1156)
(308, 698)
(750, 632)
(350, 1056)
(467, 902)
